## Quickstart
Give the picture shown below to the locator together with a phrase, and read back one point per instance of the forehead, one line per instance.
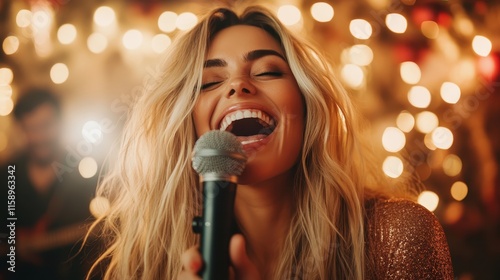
(240, 39)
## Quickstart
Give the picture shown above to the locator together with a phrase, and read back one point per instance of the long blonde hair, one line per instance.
(153, 189)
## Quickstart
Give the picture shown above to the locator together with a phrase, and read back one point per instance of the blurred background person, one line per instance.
(52, 202)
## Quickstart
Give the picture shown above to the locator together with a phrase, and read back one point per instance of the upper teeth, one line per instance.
(245, 114)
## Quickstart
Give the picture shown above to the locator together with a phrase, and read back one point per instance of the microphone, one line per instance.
(219, 159)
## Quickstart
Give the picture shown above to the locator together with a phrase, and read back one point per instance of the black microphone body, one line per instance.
(216, 230)
(218, 158)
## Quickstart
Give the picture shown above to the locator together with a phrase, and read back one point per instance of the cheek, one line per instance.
(202, 113)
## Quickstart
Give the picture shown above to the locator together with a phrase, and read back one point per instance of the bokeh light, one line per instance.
(453, 213)
(360, 29)
(428, 142)
(167, 21)
(405, 121)
(430, 29)
(132, 39)
(463, 25)
(419, 97)
(6, 76)
(87, 167)
(92, 132)
(10, 45)
(99, 206)
(410, 72)
(459, 190)
(59, 73)
(481, 45)
(393, 166)
(450, 92)
(23, 18)
(186, 21)
(393, 139)
(160, 43)
(429, 200)
(353, 75)
(42, 19)
(396, 23)
(426, 121)
(104, 16)
(452, 165)
(97, 43)
(289, 14)
(5, 91)
(442, 137)
(6, 106)
(322, 12)
(360, 54)
(66, 34)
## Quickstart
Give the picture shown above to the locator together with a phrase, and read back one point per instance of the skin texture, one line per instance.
(266, 82)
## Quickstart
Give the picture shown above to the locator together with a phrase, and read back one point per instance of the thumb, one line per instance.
(244, 268)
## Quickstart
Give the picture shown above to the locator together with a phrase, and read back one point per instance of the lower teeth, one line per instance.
(249, 141)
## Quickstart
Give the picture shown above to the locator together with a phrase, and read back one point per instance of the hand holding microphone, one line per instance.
(241, 268)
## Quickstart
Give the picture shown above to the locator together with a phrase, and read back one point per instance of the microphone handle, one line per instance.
(216, 228)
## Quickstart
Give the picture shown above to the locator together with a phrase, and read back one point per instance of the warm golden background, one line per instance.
(426, 73)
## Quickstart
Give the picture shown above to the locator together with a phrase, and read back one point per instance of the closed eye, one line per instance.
(270, 73)
(208, 85)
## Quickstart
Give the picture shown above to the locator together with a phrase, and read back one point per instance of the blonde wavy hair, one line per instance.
(154, 192)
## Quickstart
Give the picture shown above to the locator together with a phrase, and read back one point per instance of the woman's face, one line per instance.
(249, 90)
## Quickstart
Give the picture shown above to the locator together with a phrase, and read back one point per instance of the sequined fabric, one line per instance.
(404, 241)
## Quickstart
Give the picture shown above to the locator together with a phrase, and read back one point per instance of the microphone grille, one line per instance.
(219, 152)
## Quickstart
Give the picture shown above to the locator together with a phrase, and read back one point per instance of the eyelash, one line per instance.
(269, 73)
(207, 85)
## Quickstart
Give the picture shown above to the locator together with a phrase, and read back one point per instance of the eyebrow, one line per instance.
(250, 56)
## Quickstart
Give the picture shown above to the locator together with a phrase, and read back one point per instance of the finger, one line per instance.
(191, 260)
(244, 268)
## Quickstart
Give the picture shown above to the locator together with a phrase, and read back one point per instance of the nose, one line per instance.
(240, 85)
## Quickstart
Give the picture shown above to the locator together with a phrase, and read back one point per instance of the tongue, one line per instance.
(252, 138)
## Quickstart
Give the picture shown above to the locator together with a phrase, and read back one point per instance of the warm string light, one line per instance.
(410, 72)
(360, 29)
(396, 23)
(429, 200)
(289, 14)
(322, 12)
(59, 73)
(393, 139)
(6, 102)
(405, 121)
(426, 121)
(66, 34)
(393, 167)
(87, 167)
(419, 96)
(10, 45)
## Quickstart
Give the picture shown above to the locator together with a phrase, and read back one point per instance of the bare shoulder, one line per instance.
(405, 240)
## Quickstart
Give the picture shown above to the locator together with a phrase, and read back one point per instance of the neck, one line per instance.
(264, 212)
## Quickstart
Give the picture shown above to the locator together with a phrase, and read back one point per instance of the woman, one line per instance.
(308, 204)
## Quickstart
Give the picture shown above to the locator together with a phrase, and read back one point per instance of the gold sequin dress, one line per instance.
(404, 241)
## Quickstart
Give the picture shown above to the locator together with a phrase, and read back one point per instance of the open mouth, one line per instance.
(249, 125)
